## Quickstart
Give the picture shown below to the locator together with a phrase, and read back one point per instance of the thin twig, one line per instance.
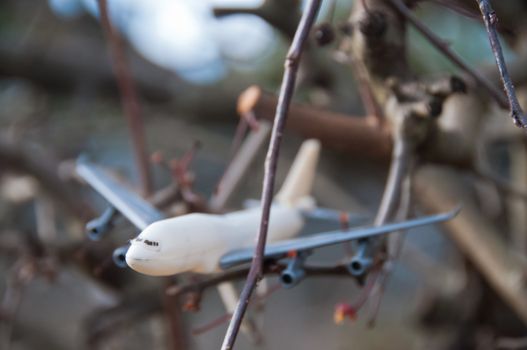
(370, 103)
(226, 317)
(286, 93)
(238, 166)
(392, 199)
(200, 286)
(129, 99)
(351, 309)
(211, 325)
(395, 244)
(399, 166)
(490, 19)
(449, 53)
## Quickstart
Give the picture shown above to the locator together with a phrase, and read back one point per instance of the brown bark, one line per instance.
(358, 136)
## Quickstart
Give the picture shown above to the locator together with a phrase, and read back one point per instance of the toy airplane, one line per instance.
(208, 243)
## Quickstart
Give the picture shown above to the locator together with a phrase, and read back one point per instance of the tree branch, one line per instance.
(286, 92)
(355, 135)
(269, 269)
(129, 100)
(449, 53)
(238, 166)
(358, 136)
(490, 19)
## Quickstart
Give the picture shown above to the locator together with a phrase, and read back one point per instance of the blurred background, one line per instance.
(190, 60)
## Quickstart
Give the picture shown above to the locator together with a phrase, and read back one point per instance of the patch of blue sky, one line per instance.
(184, 36)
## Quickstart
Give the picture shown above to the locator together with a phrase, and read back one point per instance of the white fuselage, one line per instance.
(196, 242)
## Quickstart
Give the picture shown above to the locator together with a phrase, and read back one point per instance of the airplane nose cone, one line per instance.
(141, 260)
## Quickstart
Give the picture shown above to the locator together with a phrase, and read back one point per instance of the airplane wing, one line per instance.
(134, 208)
(279, 250)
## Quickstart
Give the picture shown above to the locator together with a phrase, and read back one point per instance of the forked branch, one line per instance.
(449, 53)
(286, 92)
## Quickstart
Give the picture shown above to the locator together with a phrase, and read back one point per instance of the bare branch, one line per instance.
(239, 274)
(401, 160)
(239, 166)
(395, 243)
(356, 135)
(129, 99)
(490, 19)
(449, 53)
(371, 105)
(286, 92)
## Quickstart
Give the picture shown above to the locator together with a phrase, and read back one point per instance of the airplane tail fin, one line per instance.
(297, 185)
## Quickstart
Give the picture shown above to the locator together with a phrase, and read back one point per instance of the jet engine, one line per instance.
(97, 227)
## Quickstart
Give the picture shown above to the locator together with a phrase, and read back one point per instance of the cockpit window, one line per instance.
(151, 243)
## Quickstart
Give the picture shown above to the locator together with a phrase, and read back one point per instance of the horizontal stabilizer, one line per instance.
(320, 213)
(299, 180)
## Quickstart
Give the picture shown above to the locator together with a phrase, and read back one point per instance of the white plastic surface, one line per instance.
(196, 242)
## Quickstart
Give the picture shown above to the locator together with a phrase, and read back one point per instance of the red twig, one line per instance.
(490, 19)
(351, 309)
(211, 325)
(129, 99)
(286, 93)
(226, 317)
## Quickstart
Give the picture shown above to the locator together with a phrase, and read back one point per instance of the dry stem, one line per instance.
(490, 19)
(286, 93)
(129, 99)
